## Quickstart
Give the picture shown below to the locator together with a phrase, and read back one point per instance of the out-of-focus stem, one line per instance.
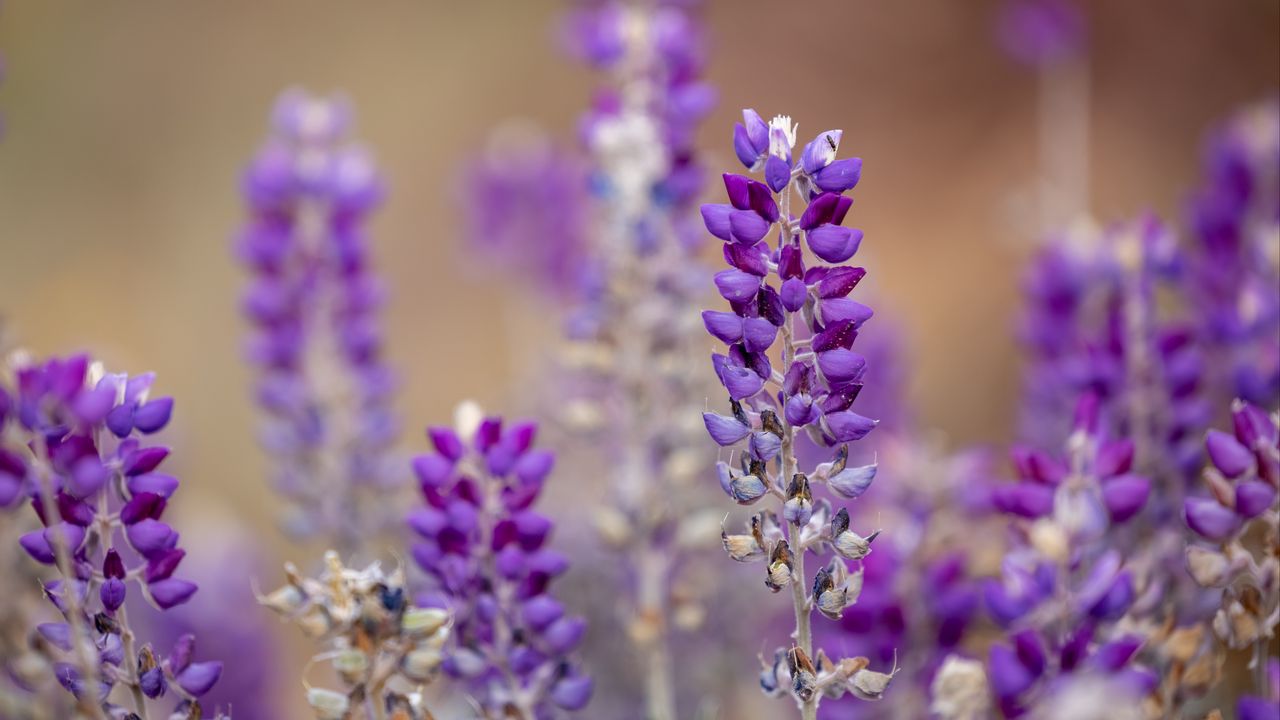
(1063, 118)
(87, 698)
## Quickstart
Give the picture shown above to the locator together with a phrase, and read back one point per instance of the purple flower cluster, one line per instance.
(1243, 480)
(485, 553)
(526, 204)
(813, 391)
(313, 303)
(656, 55)
(631, 339)
(1065, 586)
(1092, 327)
(1235, 266)
(74, 445)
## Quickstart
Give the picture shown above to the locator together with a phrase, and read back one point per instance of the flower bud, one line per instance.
(779, 573)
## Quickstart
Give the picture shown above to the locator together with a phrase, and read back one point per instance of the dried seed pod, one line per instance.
(779, 574)
(804, 678)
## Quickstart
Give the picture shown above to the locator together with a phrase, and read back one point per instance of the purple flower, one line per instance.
(783, 292)
(1041, 32)
(313, 304)
(77, 452)
(480, 549)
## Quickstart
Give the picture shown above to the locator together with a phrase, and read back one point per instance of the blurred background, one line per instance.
(126, 126)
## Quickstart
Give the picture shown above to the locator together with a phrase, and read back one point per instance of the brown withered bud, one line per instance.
(839, 523)
(738, 413)
(104, 624)
(743, 548)
(757, 529)
(770, 424)
(840, 460)
(146, 659)
(804, 678)
(779, 574)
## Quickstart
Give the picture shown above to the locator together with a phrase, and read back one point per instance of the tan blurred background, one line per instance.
(128, 122)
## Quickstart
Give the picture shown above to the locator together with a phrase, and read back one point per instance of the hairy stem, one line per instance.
(88, 666)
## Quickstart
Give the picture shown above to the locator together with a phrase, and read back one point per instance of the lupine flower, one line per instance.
(381, 647)
(806, 311)
(526, 203)
(485, 553)
(1235, 264)
(313, 302)
(634, 384)
(1064, 589)
(1092, 326)
(75, 447)
(919, 593)
(1243, 480)
(1041, 32)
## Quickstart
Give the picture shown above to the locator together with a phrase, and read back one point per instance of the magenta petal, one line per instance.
(840, 175)
(143, 460)
(840, 366)
(762, 201)
(725, 430)
(38, 547)
(157, 483)
(1254, 497)
(152, 416)
(200, 677)
(848, 426)
(1125, 495)
(112, 594)
(737, 286)
(1115, 458)
(724, 326)
(840, 281)
(716, 218)
(777, 173)
(837, 309)
(832, 243)
(171, 592)
(1209, 519)
(1230, 457)
(738, 189)
(150, 537)
(793, 294)
(747, 227)
(758, 334)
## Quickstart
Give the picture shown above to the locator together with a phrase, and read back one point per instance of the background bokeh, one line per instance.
(127, 123)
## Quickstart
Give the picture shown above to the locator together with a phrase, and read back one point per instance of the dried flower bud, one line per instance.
(848, 543)
(422, 622)
(779, 575)
(328, 704)
(870, 685)
(743, 548)
(747, 489)
(1210, 568)
(960, 690)
(804, 679)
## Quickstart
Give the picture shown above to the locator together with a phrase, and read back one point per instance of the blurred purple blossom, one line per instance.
(1041, 32)
(485, 553)
(313, 302)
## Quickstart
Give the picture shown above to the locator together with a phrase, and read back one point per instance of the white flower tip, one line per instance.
(467, 418)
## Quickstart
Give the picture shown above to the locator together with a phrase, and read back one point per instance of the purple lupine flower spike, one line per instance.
(1064, 588)
(74, 445)
(486, 554)
(1234, 271)
(1243, 498)
(631, 340)
(805, 310)
(313, 303)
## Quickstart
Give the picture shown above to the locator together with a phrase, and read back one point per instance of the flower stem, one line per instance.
(75, 613)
